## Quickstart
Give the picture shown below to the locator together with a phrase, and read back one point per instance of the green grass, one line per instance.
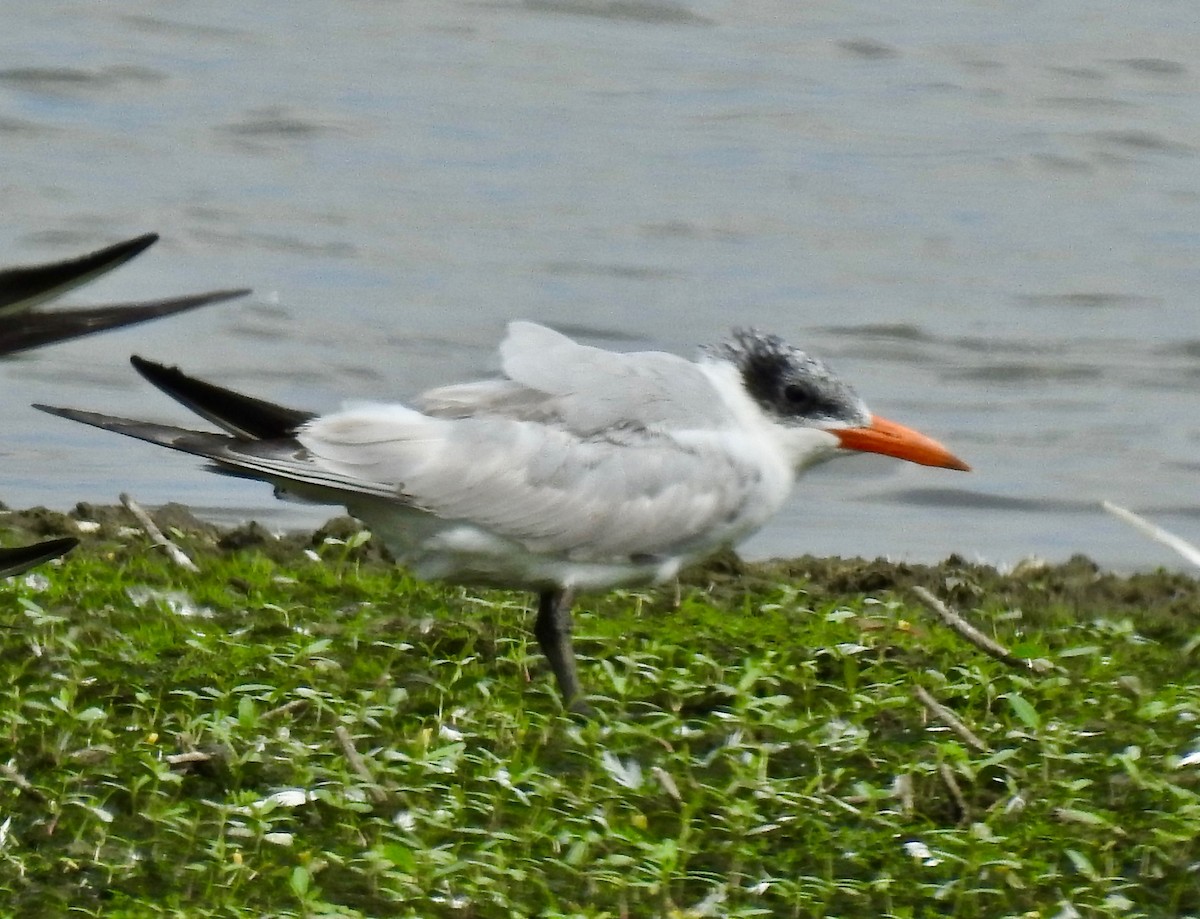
(759, 749)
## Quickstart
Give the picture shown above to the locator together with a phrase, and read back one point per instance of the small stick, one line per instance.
(89, 755)
(286, 709)
(11, 773)
(903, 787)
(1155, 532)
(359, 765)
(156, 535)
(184, 759)
(950, 719)
(667, 781)
(988, 646)
(955, 792)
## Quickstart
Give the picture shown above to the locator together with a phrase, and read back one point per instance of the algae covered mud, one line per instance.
(298, 728)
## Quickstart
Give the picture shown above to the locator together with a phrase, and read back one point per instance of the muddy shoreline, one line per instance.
(1164, 601)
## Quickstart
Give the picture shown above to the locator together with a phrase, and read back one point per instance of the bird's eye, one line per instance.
(798, 397)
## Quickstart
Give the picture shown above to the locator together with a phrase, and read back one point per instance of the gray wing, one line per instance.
(632, 492)
(588, 390)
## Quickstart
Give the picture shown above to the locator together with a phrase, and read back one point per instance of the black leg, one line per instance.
(553, 631)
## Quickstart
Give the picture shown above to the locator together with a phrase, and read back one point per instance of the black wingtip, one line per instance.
(73, 414)
(109, 257)
(17, 560)
(95, 419)
(246, 417)
(33, 330)
(152, 309)
(125, 250)
(24, 287)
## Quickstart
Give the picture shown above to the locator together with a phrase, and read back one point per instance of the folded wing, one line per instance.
(549, 377)
(552, 490)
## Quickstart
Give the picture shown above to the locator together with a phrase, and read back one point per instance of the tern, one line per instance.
(24, 288)
(578, 469)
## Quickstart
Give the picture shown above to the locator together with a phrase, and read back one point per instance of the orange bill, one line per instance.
(891, 439)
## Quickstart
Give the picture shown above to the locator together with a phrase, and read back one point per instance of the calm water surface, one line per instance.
(986, 216)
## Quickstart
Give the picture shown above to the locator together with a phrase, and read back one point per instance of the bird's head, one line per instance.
(799, 393)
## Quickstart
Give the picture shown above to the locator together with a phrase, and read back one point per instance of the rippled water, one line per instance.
(987, 217)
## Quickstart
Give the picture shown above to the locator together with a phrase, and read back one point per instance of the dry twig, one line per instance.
(947, 717)
(667, 781)
(987, 645)
(951, 784)
(173, 551)
(359, 765)
(902, 787)
(11, 773)
(286, 709)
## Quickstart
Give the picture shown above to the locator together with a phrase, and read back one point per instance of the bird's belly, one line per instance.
(463, 553)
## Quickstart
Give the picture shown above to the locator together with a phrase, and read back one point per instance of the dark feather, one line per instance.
(242, 416)
(22, 558)
(32, 330)
(23, 287)
(280, 460)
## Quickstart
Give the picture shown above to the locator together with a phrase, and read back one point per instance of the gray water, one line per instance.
(986, 216)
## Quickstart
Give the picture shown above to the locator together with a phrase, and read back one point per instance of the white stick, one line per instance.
(359, 765)
(951, 784)
(11, 773)
(948, 718)
(156, 535)
(1157, 533)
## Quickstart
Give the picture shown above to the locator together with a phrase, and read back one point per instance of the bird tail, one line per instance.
(244, 451)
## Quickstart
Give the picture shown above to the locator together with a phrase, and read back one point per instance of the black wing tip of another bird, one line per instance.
(37, 329)
(25, 286)
(126, 249)
(105, 258)
(167, 305)
(16, 560)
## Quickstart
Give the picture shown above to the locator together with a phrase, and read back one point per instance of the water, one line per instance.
(985, 216)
